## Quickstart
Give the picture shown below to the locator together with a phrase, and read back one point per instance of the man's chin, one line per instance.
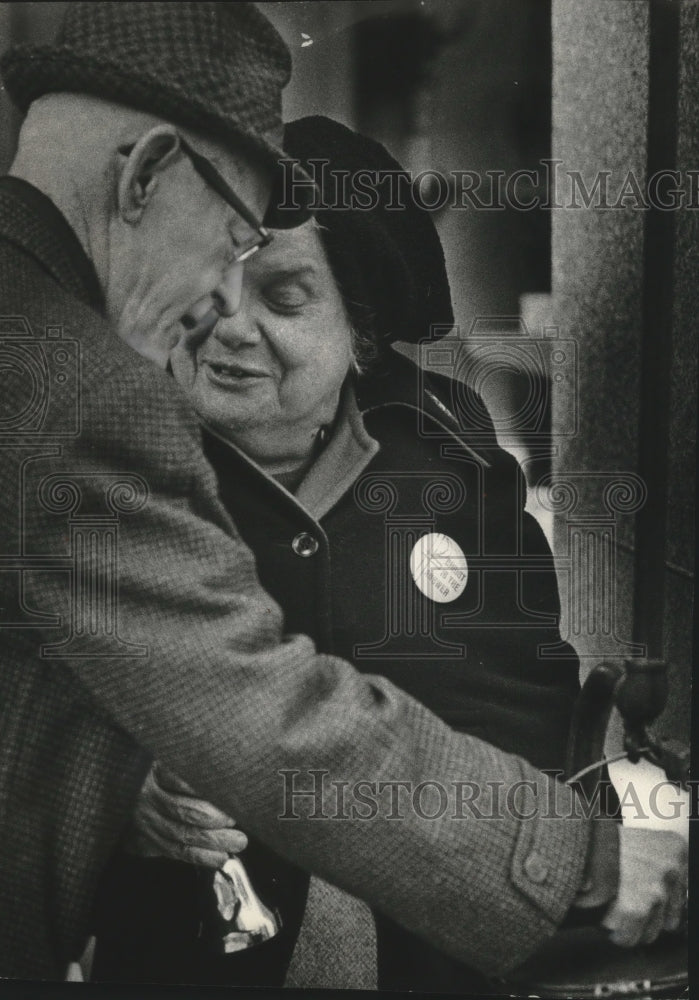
(197, 328)
(159, 355)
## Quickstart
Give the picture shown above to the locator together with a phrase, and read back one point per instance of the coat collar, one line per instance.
(31, 221)
(404, 383)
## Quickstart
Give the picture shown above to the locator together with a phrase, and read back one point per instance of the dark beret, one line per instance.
(388, 262)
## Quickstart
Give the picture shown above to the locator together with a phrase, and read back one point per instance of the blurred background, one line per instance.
(499, 86)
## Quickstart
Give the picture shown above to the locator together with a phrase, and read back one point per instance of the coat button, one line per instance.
(304, 544)
(536, 868)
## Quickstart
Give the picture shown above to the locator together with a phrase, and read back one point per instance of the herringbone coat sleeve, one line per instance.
(235, 707)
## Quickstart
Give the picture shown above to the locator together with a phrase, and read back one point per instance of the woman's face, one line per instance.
(270, 376)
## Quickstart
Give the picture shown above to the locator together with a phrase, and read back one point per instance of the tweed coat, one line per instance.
(134, 625)
(337, 561)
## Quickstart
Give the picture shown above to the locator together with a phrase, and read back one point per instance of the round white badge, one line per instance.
(439, 567)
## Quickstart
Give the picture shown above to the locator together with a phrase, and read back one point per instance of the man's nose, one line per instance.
(228, 292)
(237, 329)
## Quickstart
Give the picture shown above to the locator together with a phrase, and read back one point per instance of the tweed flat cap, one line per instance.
(217, 68)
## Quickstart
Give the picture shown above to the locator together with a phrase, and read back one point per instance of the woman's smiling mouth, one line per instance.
(229, 374)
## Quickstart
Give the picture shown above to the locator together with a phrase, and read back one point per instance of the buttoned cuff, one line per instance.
(552, 845)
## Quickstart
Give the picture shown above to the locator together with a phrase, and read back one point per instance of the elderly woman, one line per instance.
(388, 525)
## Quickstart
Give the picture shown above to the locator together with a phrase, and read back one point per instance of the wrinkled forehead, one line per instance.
(293, 249)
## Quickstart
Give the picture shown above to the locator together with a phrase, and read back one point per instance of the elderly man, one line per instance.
(133, 622)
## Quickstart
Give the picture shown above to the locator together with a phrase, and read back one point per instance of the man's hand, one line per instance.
(652, 886)
(172, 822)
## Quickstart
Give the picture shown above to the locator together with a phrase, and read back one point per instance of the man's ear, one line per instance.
(139, 168)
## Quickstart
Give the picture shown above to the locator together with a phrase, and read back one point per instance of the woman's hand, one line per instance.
(170, 821)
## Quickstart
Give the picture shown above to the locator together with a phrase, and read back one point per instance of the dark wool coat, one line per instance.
(195, 670)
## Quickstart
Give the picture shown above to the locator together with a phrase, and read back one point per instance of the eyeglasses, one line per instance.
(261, 236)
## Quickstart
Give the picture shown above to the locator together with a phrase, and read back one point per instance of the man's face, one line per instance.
(177, 264)
(270, 375)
